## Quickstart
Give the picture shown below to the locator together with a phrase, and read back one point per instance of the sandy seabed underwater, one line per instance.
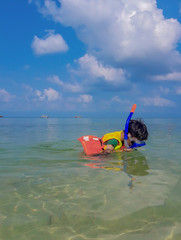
(50, 190)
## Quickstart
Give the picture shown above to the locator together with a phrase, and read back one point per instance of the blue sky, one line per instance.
(91, 58)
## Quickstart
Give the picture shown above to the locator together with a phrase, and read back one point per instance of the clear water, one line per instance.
(50, 190)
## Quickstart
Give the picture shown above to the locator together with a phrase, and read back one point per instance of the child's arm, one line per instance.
(128, 149)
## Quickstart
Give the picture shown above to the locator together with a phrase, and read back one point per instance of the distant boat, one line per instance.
(1, 116)
(44, 116)
(77, 116)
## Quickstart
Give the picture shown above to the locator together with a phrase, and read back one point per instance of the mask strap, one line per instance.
(135, 145)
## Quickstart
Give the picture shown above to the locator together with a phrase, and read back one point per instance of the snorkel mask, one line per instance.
(135, 143)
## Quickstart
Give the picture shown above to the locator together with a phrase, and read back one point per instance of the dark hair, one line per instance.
(138, 129)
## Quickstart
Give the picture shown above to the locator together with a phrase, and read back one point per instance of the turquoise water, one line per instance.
(51, 190)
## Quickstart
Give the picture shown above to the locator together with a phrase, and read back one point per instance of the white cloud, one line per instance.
(175, 76)
(51, 43)
(73, 87)
(164, 90)
(85, 98)
(51, 94)
(178, 90)
(55, 79)
(90, 67)
(28, 87)
(40, 95)
(6, 96)
(48, 94)
(157, 101)
(26, 67)
(125, 39)
(69, 87)
(118, 29)
(121, 101)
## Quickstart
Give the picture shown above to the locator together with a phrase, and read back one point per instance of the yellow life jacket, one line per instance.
(115, 135)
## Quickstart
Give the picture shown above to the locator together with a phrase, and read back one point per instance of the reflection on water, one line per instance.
(132, 164)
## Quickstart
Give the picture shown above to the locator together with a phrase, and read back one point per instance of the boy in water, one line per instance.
(137, 133)
(133, 136)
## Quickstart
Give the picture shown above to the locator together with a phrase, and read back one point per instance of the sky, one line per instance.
(93, 58)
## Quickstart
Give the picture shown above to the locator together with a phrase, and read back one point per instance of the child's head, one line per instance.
(138, 129)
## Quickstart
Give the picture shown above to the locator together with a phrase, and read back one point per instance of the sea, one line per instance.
(50, 190)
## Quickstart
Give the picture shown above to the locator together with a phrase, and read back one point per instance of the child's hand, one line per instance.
(119, 150)
(127, 149)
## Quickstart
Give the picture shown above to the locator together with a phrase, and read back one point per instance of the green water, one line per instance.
(51, 190)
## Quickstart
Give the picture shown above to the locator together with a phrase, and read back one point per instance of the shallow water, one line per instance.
(51, 190)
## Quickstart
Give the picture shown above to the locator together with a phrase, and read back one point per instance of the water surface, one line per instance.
(51, 190)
